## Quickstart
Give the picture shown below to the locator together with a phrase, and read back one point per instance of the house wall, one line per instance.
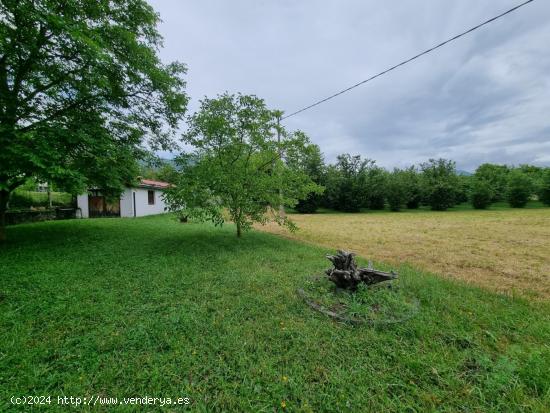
(126, 207)
(82, 203)
(142, 202)
(127, 203)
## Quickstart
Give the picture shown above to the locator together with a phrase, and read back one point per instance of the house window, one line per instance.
(151, 196)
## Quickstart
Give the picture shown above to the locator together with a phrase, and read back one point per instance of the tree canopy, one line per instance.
(440, 183)
(239, 165)
(83, 92)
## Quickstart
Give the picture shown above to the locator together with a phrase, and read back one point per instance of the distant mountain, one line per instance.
(463, 173)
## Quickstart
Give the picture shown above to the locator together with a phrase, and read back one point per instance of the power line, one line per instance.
(408, 60)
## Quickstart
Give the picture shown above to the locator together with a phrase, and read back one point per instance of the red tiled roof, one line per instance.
(154, 184)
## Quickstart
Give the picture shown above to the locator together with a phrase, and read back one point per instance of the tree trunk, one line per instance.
(4, 197)
(239, 231)
(49, 196)
(346, 275)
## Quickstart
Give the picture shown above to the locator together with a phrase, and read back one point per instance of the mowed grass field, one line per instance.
(506, 250)
(151, 307)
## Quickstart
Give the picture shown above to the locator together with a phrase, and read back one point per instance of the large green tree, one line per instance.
(376, 186)
(240, 165)
(310, 161)
(82, 93)
(440, 183)
(544, 189)
(496, 177)
(413, 183)
(346, 183)
(396, 189)
(519, 188)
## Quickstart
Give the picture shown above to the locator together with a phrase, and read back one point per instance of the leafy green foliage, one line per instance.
(309, 161)
(481, 194)
(413, 183)
(397, 190)
(519, 188)
(352, 184)
(160, 170)
(544, 189)
(375, 189)
(30, 184)
(346, 183)
(440, 182)
(463, 189)
(497, 178)
(240, 165)
(82, 91)
(440, 196)
(26, 199)
(308, 205)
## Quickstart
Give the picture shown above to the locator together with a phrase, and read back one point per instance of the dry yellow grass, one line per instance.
(507, 251)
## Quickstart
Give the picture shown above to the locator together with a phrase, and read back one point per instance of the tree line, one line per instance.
(353, 183)
(84, 97)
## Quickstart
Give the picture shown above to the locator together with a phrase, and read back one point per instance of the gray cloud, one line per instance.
(483, 98)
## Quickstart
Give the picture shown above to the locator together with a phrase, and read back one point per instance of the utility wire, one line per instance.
(408, 60)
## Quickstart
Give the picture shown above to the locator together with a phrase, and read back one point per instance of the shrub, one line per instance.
(463, 191)
(376, 186)
(496, 176)
(544, 189)
(440, 183)
(308, 205)
(350, 197)
(20, 199)
(411, 179)
(345, 183)
(310, 161)
(376, 202)
(440, 196)
(481, 194)
(396, 190)
(518, 189)
(414, 200)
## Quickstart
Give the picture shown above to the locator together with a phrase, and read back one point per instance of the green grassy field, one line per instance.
(150, 307)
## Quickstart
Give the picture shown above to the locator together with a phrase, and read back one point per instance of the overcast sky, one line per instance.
(482, 98)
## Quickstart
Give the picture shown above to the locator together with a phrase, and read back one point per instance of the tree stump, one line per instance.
(346, 275)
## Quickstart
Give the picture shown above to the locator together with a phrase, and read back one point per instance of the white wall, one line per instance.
(126, 207)
(82, 203)
(127, 203)
(142, 202)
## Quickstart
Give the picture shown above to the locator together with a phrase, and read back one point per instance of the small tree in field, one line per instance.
(346, 183)
(496, 176)
(239, 165)
(375, 186)
(463, 190)
(310, 161)
(481, 194)
(440, 182)
(414, 187)
(544, 190)
(518, 189)
(397, 192)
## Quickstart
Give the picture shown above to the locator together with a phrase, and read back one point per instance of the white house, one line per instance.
(144, 199)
